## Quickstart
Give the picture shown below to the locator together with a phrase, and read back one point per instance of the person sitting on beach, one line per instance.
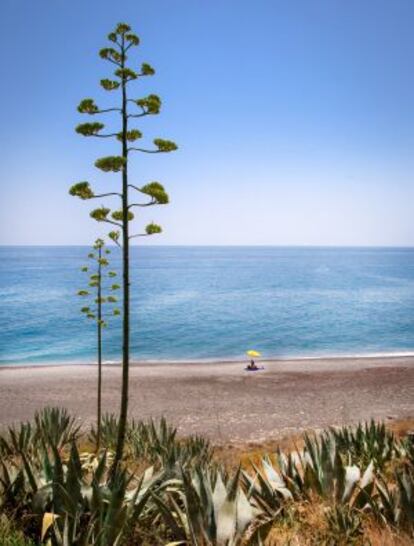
(252, 365)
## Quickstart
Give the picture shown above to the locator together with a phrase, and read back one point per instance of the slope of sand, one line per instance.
(221, 400)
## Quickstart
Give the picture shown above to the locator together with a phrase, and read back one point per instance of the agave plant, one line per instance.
(158, 443)
(55, 427)
(10, 536)
(205, 509)
(73, 498)
(109, 431)
(51, 427)
(152, 440)
(365, 443)
(407, 449)
(394, 503)
(102, 517)
(344, 526)
(318, 469)
(18, 439)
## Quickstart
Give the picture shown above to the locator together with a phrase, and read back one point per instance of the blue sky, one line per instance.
(295, 119)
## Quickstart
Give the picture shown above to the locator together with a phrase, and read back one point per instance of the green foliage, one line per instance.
(100, 214)
(115, 287)
(367, 442)
(89, 129)
(109, 85)
(156, 191)
(116, 312)
(83, 293)
(18, 439)
(10, 536)
(99, 243)
(184, 496)
(51, 427)
(345, 526)
(55, 427)
(150, 104)
(122, 28)
(165, 145)
(111, 54)
(147, 70)
(132, 38)
(96, 281)
(110, 163)
(87, 106)
(131, 135)
(119, 215)
(86, 506)
(152, 229)
(394, 503)
(84, 269)
(82, 190)
(109, 431)
(203, 508)
(317, 470)
(126, 74)
(114, 235)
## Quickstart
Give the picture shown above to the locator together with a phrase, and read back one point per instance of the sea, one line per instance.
(210, 303)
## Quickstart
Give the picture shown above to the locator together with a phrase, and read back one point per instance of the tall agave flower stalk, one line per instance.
(127, 109)
(95, 311)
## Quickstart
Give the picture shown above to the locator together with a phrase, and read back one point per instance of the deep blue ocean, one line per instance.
(212, 302)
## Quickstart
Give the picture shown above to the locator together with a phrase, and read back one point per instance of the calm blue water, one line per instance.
(210, 302)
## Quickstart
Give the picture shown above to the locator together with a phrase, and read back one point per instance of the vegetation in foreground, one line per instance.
(344, 486)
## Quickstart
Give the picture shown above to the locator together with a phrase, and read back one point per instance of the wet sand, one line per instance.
(221, 400)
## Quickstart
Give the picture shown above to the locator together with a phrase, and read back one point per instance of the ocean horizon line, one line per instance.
(152, 245)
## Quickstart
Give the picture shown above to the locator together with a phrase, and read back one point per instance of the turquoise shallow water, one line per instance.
(213, 302)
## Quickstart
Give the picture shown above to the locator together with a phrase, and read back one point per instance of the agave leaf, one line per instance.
(48, 519)
(219, 494)
(368, 475)
(366, 487)
(116, 513)
(168, 517)
(260, 532)
(194, 509)
(29, 472)
(100, 469)
(41, 498)
(226, 522)
(244, 512)
(352, 477)
(274, 477)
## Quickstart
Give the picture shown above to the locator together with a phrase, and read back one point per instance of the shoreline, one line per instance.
(212, 361)
(222, 401)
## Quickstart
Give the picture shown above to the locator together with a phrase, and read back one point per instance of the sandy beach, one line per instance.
(221, 400)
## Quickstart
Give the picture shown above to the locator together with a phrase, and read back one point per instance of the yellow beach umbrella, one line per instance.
(253, 353)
